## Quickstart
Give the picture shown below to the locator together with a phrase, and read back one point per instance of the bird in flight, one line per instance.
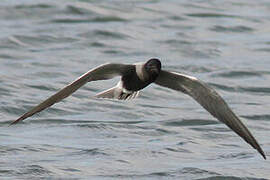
(135, 77)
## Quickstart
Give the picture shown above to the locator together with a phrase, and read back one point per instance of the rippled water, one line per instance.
(163, 134)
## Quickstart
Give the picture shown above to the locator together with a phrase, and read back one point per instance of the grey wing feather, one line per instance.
(103, 72)
(210, 100)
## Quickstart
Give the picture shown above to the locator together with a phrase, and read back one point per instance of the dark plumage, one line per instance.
(133, 82)
(137, 76)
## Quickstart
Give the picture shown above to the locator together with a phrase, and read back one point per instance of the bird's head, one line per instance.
(153, 67)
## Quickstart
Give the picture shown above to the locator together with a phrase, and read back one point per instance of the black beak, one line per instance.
(154, 69)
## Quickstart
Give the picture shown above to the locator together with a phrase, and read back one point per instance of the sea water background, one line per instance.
(44, 45)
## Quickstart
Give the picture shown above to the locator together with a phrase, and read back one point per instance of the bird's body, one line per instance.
(132, 82)
(135, 77)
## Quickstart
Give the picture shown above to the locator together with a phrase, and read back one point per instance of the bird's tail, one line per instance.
(117, 93)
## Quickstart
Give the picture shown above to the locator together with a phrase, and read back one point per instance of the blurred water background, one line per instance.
(163, 134)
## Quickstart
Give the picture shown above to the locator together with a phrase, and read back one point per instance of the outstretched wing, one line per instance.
(103, 72)
(210, 100)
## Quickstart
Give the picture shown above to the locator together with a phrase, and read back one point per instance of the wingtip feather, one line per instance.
(16, 121)
(259, 149)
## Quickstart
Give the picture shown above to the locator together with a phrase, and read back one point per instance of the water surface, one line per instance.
(44, 45)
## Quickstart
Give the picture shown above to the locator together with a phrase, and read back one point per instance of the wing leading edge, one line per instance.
(210, 100)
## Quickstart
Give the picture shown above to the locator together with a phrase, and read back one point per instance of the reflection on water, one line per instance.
(160, 135)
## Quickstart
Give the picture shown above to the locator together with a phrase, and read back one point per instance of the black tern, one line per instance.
(135, 77)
